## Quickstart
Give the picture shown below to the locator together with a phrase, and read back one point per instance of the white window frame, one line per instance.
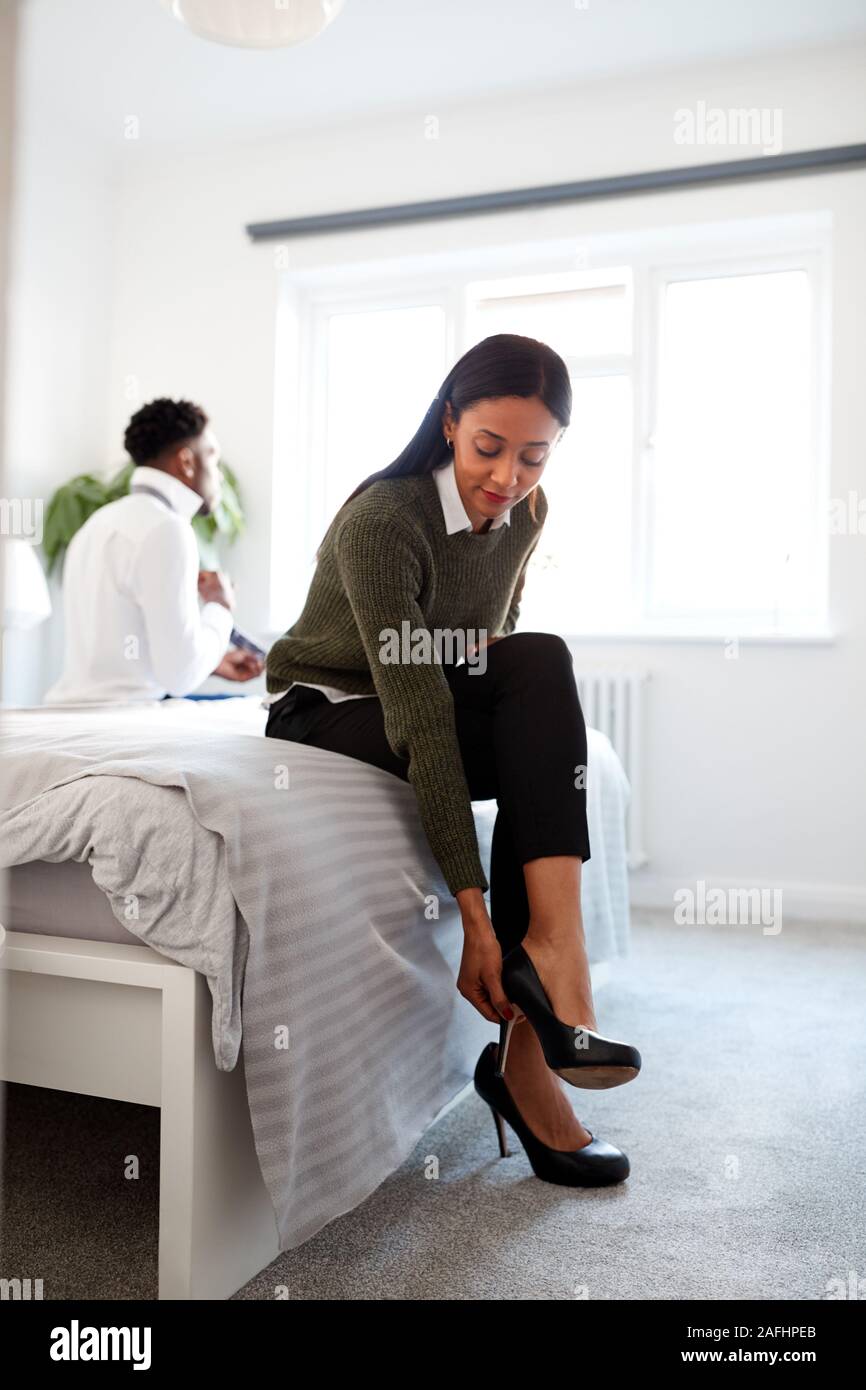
(655, 258)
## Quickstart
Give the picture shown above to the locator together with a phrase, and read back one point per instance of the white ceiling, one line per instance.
(92, 63)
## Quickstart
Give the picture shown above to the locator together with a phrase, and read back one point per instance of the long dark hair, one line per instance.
(504, 364)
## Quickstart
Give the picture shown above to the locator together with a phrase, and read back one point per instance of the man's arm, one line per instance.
(185, 642)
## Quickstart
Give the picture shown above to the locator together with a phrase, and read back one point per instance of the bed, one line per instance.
(253, 935)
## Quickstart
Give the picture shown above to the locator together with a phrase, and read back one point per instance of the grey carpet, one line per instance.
(746, 1132)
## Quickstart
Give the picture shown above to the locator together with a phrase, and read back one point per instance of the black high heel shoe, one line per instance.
(597, 1164)
(578, 1055)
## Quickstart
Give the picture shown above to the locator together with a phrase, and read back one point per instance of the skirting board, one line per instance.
(801, 902)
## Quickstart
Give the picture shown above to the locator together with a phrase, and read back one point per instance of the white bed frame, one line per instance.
(148, 1040)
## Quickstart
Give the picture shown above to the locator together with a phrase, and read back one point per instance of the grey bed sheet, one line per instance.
(59, 900)
(178, 811)
(62, 899)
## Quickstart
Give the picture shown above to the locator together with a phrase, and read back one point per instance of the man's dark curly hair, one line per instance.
(159, 424)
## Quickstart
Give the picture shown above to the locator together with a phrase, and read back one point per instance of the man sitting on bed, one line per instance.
(134, 629)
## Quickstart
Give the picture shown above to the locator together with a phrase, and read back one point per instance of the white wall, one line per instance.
(8, 47)
(757, 767)
(60, 284)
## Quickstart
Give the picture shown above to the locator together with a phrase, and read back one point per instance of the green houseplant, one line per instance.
(75, 501)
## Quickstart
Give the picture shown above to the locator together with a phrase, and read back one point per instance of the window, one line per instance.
(732, 514)
(688, 493)
(375, 356)
(581, 578)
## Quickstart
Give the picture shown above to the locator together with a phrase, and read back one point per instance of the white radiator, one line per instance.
(613, 702)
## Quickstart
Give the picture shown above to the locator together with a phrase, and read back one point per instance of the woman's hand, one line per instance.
(473, 648)
(479, 979)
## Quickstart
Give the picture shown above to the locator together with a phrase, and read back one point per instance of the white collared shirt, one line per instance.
(456, 519)
(134, 628)
(453, 509)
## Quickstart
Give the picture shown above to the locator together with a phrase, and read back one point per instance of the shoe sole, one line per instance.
(596, 1078)
(587, 1078)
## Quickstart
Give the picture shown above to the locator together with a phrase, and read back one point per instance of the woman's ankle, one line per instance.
(558, 933)
(571, 988)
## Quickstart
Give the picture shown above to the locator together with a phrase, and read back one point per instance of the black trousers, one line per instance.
(522, 739)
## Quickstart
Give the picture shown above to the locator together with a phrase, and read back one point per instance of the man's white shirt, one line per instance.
(134, 627)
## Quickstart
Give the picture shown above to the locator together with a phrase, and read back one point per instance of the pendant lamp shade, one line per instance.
(255, 23)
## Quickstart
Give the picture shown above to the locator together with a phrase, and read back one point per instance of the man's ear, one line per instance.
(186, 459)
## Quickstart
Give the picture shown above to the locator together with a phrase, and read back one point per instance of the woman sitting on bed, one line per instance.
(438, 542)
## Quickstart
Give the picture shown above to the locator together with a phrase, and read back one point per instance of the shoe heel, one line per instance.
(505, 1028)
(500, 1133)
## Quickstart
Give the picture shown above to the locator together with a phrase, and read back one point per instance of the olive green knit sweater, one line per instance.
(385, 561)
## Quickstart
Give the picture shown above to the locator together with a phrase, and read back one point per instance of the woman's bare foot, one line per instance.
(538, 1093)
(561, 964)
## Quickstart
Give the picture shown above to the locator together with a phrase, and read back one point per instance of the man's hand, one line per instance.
(239, 666)
(216, 587)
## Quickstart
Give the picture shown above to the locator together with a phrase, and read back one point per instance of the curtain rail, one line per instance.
(584, 190)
